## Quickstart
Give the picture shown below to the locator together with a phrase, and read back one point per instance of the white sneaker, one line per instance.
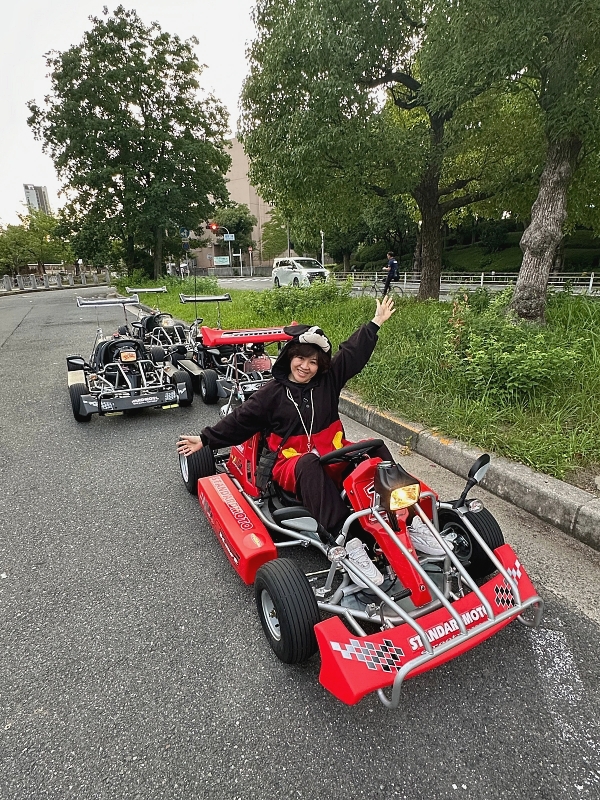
(423, 539)
(358, 555)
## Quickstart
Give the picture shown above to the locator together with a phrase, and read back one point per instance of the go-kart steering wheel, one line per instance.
(351, 450)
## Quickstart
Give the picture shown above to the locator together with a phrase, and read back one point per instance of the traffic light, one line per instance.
(213, 226)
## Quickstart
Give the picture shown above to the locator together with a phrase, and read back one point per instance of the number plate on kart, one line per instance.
(129, 355)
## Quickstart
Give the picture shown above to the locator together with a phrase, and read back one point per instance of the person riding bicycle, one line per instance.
(392, 272)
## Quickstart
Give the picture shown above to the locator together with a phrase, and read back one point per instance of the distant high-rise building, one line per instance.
(37, 198)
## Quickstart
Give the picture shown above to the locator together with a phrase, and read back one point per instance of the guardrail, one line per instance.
(58, 281)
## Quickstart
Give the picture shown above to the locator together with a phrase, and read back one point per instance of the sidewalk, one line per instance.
(568, 508)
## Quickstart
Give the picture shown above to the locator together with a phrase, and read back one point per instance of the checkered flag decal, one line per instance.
(504, 596)
(515, 572)
(385, 656)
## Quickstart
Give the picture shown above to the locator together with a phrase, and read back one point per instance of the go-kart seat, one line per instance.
(106, 351)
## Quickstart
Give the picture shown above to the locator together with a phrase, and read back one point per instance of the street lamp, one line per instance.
(322, 249)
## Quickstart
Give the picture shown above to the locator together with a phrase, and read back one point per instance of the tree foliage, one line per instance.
(550, 52)
(236, 217)
(36, 240)
(137, 148)
(337, 105)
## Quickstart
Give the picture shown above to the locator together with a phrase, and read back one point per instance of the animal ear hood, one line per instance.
(307, 334)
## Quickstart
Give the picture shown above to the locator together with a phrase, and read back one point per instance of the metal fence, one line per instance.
(56, 281)
(579, 283)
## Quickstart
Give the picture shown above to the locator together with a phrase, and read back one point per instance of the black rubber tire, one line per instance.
(467, 549)
(181, 376)
(76, 392)
(209, 391)
(296, 283)
(157, 354)
(281, 585)
(200, 464)
(276, 283)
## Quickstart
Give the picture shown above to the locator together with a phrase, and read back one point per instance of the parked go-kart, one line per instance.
(159, 329)
(121, 374)
(239, 363)
(229, 364)
(428, 609)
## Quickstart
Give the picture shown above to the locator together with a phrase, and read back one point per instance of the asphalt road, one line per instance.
(133, 665)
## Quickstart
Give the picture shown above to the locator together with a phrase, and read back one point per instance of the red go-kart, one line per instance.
(427, 610)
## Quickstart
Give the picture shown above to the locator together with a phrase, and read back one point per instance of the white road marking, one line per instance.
(564, 692)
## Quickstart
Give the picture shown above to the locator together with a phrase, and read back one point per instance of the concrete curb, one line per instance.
(566, 507)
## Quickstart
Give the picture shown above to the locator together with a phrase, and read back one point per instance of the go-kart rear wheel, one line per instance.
(287, 609)
(200, 464)
(76, 392)
(181, 376)
(209, 391)
(468, 550)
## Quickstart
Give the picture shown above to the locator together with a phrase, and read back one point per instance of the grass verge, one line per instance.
(463, 368)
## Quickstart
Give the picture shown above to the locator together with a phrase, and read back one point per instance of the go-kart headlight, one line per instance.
(395, 487)
(404, 496)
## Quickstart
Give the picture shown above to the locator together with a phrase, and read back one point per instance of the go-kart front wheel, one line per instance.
(466, 548)
(209, 391)
(200, 464)
(181, 376)
(76, 392)
(287, 609)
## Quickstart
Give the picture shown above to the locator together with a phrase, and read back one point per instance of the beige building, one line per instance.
(241, 191)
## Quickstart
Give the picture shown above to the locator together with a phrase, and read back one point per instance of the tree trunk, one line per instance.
(130, 254)
(545, 231)
(431, 252)
(158, 251)
(346, 257)
(427, 196)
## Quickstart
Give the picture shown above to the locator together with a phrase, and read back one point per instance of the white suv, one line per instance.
(297, 271)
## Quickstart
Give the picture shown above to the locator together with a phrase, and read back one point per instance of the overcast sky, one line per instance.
(31, 28)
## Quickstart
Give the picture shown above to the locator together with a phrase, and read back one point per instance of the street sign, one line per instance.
(249, 249)
(186, 245)
(229, 237)
(184, 233)
(221, 261)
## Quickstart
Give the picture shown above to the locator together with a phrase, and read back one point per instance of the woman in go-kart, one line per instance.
(299, 413)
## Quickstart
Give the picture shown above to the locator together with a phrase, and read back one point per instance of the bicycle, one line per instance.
(375, 286)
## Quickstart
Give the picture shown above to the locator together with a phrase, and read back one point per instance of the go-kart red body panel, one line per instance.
(242, 462)
(242, 535)
(359, 488)
(215, 337)
(353, 666)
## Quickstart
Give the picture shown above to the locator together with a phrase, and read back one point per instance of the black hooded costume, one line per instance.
(307, 415)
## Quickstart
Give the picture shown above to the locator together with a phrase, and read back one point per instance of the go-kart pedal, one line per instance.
(299, 519)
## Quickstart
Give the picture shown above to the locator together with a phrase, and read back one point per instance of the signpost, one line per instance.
(221, 261)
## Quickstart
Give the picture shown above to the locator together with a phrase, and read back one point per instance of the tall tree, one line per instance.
(135, 145)
(551, 51)
(37, 239)
(315, 117)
